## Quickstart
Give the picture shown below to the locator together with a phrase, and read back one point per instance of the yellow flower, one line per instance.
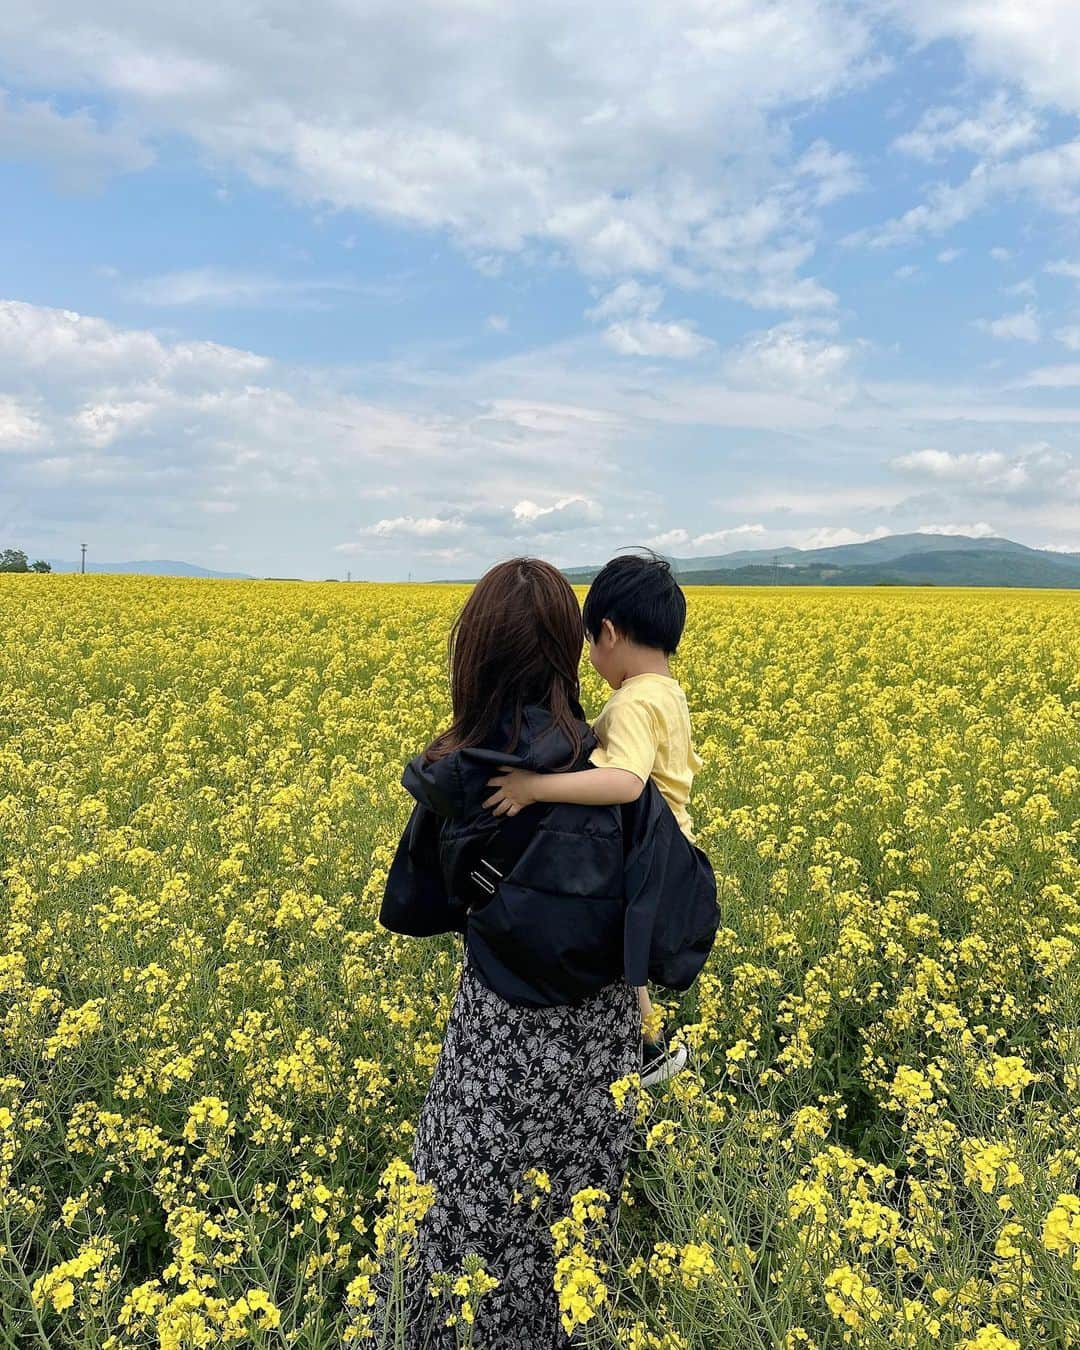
(696, 1262)
(663, 1132)
(1061, 1228)
(989, 1337)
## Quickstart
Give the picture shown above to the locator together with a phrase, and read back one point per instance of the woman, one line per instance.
(544, 1018)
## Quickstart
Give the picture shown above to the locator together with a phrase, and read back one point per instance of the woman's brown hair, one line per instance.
(517, 640)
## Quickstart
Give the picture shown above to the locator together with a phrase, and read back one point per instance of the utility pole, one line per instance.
(776, 569)
(348, 576)
(83, 547)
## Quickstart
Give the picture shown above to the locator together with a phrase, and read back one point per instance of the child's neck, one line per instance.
(643, 661)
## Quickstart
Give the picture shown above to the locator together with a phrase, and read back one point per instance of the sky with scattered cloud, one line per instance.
(350, 287)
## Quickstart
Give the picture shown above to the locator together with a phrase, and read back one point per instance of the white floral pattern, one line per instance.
(516, 1087)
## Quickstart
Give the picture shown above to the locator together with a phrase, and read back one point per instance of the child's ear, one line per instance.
(609, 628)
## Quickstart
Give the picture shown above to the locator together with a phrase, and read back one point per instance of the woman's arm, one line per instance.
(517, 788)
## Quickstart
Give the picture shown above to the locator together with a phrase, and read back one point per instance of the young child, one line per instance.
(633, 618)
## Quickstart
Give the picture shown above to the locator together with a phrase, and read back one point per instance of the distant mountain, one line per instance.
(886, 549)
(156, 567)
(962, 567)
(896, 559)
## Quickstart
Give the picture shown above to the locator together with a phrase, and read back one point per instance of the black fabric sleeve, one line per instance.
(415, 901)
(671, 916)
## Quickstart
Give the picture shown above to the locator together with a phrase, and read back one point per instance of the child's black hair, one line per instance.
(641, 598)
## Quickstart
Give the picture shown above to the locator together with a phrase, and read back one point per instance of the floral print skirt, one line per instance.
(515, 1088)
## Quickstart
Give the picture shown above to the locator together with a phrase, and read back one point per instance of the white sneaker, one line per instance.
(659, 1062)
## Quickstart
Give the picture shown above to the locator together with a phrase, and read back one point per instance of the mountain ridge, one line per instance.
(160, 567)
(887, 548)
(913, 559)
(941, 567)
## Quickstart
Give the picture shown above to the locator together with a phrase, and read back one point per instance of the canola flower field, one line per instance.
(211, 1056)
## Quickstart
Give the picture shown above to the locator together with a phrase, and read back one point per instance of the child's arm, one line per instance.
(517, 788)
(626, 758)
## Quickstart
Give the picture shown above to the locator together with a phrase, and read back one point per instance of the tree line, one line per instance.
(14, 560)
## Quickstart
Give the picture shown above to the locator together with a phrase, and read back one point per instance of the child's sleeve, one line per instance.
(629, 739)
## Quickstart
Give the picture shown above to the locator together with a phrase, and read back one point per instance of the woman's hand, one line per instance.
(516, 788)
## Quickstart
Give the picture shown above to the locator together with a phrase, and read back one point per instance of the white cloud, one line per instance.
(560, 420)
(856, 499)
(1035, 45)
(81, 153)
(628, 297)
(40, 340)
(789, 358)
(636, 333)
(498, 323)
(567, 513)
(996, 130)
(489, 264)
(1050, 176)
(488, 519)
(1069, 336)
(835, 172)
(989, 469)
(99, 424)
(829, 536)
(979, 530)
(714, 537)
(1036, 473)
(1022, 326)
(123, 424)
(19, 427)
(649, 337)
(1000, 254)
(423, 527)
(220, 286)
(948, 255)
(678, 538)
(710, 539)
(1053, 377)
(446, 554)
(650, 139)
(1062, 268)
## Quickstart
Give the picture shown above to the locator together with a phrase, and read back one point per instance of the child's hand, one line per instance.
(515, 789)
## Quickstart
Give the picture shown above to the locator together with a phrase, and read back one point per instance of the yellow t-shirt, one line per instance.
(645, 727)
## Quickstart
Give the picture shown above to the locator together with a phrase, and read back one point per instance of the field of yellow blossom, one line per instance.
(211, 1056)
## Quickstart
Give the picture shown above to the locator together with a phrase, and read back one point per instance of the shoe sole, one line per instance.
(668, 1068)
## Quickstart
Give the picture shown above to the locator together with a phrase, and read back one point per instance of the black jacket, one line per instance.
(599, 891)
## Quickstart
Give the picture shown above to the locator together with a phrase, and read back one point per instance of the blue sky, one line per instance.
(362, 287)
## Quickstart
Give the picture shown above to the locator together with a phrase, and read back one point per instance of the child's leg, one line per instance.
(645, 1004)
